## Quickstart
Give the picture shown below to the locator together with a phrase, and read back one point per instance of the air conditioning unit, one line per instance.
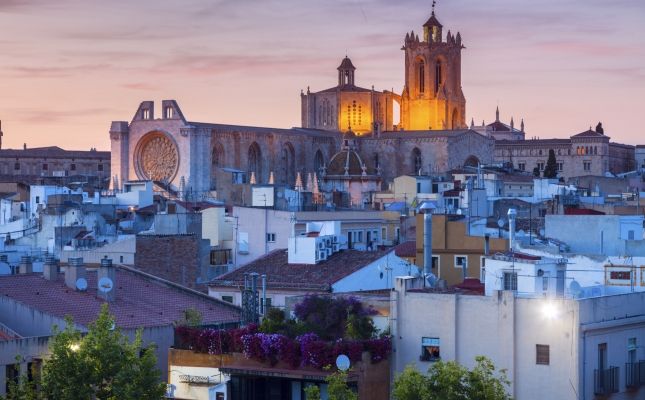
(322, 255)
(328, 242)
(336, 247)
(329, 251)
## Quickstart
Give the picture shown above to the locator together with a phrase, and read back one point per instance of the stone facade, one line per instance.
(587, 153)
(49, 164)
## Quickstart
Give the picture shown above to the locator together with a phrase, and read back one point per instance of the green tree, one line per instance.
(551, 168)
(191, 317)
(312, 392)
(337, 388)
(536, 171)
(451, 381)
(103, 364)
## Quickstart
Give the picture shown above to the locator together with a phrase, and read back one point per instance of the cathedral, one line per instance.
(210, 159)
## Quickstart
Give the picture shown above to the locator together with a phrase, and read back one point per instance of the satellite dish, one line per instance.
(81, 284)
(342, 362)
(105, 284)
(574, 288)
(501, 222)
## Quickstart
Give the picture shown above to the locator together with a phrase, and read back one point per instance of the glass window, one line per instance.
(510, 281)
(542, 354)
(430, 349)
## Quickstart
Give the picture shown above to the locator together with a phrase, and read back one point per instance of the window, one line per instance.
(146, 114)
(460, 261)
(422, 76)
(121, 259)
(72, 166)
(521, 166)
(437, 76)
(510, 281)
(12, 374)
(560, 165)
(602, 356)
(482, 269)
(271, 237)
(435, 264)
(16, 166)
(586, 165)
(99, 167)
(430, 349)
(542, 354)
(168, 112)
(630, 235)
(540, 165)
(45, 167)
(228, 299)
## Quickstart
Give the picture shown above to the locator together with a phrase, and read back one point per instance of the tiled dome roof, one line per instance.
(345, 161)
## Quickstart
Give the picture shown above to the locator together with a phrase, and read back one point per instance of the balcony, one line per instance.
(635, 374)
(605, 381)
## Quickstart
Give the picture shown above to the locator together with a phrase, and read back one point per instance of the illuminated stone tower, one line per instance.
(432, 97)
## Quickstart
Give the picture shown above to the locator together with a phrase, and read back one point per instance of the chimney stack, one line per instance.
(26, 267)
(50, 269)
(512, 213)
(426, 209)
(74, 271)
(106, 272)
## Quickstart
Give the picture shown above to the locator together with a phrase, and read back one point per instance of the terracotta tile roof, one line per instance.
(141, 301)
(406, 249)
(281, 274)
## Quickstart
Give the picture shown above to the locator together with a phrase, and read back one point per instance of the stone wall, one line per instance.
(177, 258)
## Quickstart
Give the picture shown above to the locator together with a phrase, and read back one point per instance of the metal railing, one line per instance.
(606, 381)
(635, 374)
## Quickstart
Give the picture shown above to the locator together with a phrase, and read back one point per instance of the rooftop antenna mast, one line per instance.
(434, 3)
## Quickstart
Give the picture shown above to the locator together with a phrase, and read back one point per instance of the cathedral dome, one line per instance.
(345, 162)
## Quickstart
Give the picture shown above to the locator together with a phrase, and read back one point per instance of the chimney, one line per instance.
(26, 267)
(106, 278)
(50, 269)
(426, 209)
(74, 271)
(512, 213)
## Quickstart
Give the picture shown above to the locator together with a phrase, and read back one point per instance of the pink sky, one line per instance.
(70, 67)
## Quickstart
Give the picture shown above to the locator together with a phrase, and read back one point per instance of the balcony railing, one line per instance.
(635, 374)
(605, 381)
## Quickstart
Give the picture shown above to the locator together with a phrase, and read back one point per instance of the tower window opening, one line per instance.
(168, 112)
(437, 76)
(422, 77)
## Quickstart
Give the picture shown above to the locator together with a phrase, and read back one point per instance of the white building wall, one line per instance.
(507, 329)
(380, 274)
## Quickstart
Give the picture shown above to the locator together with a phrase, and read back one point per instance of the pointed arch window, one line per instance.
(422, 76)
(417, 161)
(437, 76)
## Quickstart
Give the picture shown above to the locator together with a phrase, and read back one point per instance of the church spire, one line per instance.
(497, 114)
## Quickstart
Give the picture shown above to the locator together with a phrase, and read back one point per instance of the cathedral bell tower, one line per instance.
(432, 98)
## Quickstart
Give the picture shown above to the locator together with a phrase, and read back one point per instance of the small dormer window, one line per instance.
(168, 112)
(145, 114)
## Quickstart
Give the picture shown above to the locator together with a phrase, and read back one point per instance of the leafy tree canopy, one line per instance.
(102, 365)
(451, 381)
(551, 168)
